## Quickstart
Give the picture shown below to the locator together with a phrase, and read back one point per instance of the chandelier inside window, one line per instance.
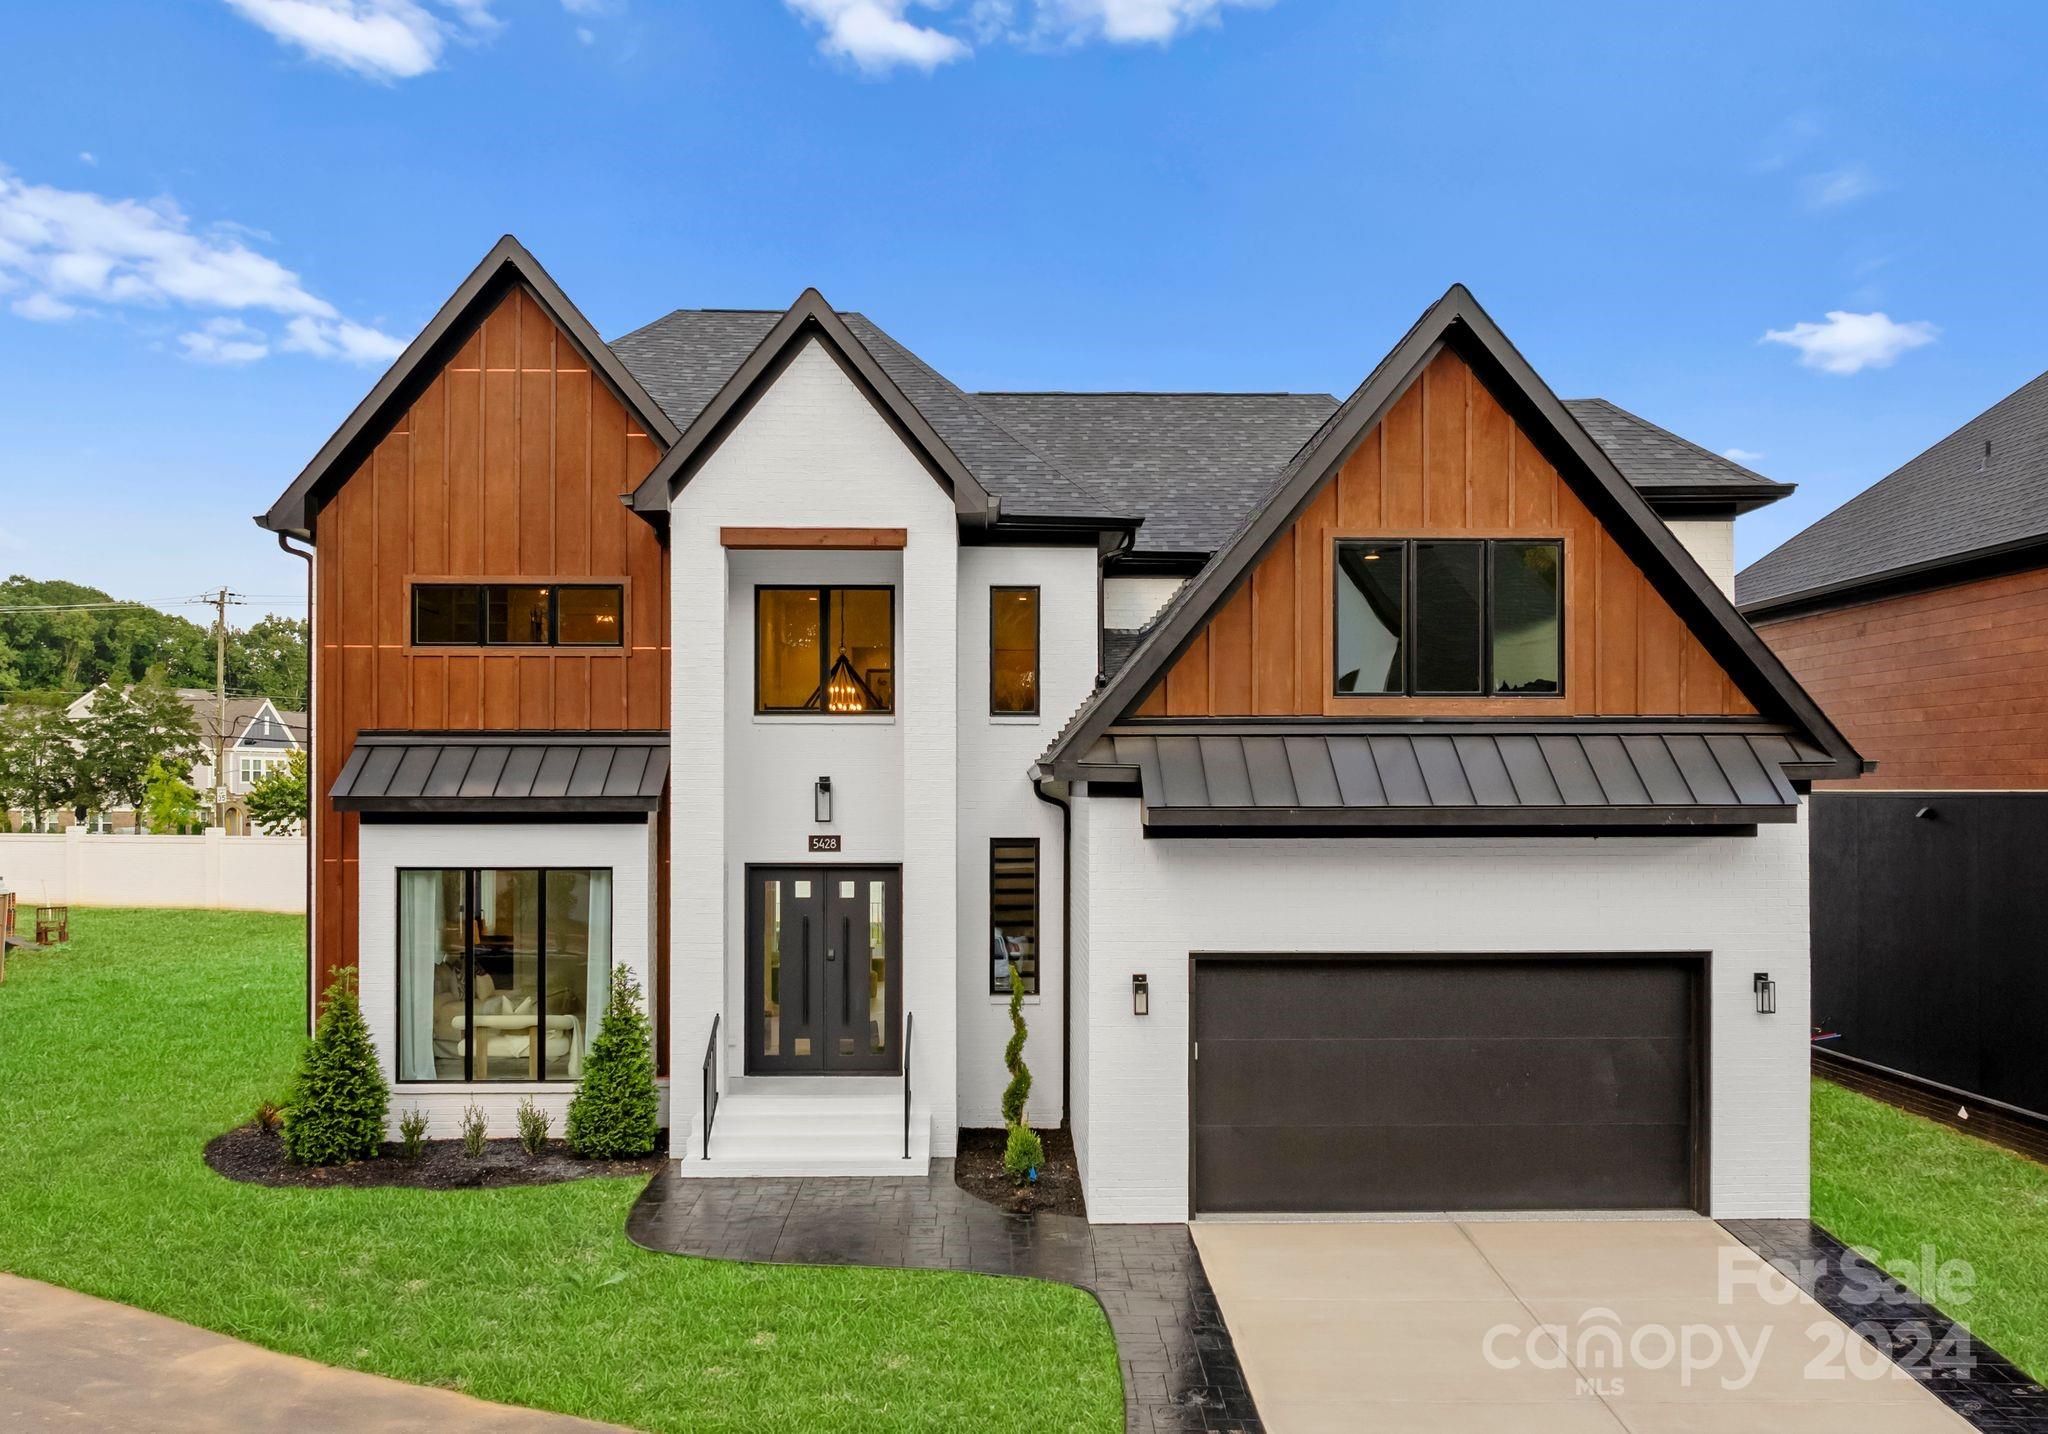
(844, 690)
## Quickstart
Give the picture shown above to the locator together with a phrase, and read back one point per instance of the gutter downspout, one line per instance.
(312, 654)
(1066, 806)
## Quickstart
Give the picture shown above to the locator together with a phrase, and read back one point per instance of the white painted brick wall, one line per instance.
(812, 452)
(996, 801)
(626, 848)
(1711, 541)
(1149, 903)
(1133, 602)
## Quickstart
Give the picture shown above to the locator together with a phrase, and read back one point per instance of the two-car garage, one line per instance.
(1325, 1084)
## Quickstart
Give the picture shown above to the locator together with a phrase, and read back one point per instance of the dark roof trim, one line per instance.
(1374, 821)
(1711, 500)
(492, 774)
(1947, 570)
(508, 263)
(810, 317)
(1457, 320)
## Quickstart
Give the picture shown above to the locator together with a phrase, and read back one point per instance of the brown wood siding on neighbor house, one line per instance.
(508, 465)
(1945, 690)
(1447, 460)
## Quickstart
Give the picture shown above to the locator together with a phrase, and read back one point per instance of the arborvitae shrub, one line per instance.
(615, 1115)
(339, 1098)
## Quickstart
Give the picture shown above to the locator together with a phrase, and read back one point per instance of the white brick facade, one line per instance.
(1143, 905)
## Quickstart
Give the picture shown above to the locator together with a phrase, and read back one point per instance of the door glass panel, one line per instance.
(506, 991)
(1369, 617)
(1448, 622)
(878, 967)
(771, 965)
(802, 889)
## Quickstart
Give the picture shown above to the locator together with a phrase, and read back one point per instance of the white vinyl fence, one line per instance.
(74, 868)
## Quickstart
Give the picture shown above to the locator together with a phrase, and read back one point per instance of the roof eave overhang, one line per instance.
(1711, 500)
(1988, 561)
(509, 262)
(499, 807)
(1335, 821)
(812, 318)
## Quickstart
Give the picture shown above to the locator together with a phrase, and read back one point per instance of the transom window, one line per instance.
(830, 651)
(502, 973)
(1450, 617)
(1013, 651)
(518, 614)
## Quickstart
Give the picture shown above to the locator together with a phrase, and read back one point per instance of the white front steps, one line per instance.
(809, 1125)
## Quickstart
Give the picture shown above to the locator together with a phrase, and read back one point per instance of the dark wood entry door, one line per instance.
(1452, 1083)
(824, 970)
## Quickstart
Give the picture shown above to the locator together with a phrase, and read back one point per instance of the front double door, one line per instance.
(824, 970)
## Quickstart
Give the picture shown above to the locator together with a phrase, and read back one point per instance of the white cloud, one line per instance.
(332, 338)
(1128, 21)
(376, 39)
(1849, 343)
(85, 156)
(225, 340)
(586, 35)
(1741, 455)
(1837, 187)
(44, 309)
(70, 251)
(590, 7)
(875, 35)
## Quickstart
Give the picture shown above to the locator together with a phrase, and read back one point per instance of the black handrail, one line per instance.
(907, 1019)
(710, 1085)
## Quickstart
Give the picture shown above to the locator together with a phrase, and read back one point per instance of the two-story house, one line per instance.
(1382, 806)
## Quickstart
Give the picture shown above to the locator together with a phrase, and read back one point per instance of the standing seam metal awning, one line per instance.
(504, 773)
(1553, 778)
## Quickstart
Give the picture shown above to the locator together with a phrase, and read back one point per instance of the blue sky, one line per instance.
(219, 217)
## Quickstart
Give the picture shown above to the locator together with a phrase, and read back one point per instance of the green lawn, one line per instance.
(1895, 1183)
(155, 1030)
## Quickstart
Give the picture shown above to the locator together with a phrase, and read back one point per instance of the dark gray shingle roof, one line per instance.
(1192, 465)
(1951, 501)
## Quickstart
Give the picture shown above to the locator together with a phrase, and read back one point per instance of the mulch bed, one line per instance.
(978, 1169)
(255, 1155)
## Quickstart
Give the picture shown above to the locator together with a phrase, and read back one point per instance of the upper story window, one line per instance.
(825, 650)
(518, 615)
(1450, 617)
(1013, 651)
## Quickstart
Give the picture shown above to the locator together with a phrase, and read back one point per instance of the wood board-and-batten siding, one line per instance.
(507, 466)
(1945, 690)
(1446, 461)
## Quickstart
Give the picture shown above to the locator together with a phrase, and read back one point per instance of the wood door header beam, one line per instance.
(815, 539)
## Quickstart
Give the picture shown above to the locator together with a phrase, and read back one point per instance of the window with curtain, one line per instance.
(1450, 617)
(502, 973)
(1013, 651)
(829, 651)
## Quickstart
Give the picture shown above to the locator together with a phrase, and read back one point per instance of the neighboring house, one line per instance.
(260, 738)
(1918, 613)
(1383, 807)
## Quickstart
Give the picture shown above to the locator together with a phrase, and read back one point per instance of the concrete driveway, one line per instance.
(1543, 1326)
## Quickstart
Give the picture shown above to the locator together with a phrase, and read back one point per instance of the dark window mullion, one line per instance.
(469, 885)
(540, 979)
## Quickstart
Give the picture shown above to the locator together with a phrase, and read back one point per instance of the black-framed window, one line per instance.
(1013, 652)
(825, 650)
(1013, 913)
(518, 614)
(502, 971)
(1449, 617)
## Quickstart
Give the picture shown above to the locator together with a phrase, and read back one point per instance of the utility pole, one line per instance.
(220, 601)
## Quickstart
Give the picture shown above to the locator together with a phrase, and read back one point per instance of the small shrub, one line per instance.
(474, 1129)
(615, 1115)
(339, 1098)
(1019, 1089)
(270, 1116)
(412, 1133)
(1023, 1153)
(533, 1128)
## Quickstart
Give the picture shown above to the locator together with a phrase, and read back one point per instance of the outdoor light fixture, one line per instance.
(1141, 996)
(821, 800)
(1766, 994)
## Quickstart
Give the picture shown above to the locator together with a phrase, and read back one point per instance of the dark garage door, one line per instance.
(1346, 1084)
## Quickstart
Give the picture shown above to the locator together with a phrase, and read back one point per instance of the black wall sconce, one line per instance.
(1766, 994)
(1141, 996)
(821, 800)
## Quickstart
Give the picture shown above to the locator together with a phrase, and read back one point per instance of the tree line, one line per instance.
(54, 645)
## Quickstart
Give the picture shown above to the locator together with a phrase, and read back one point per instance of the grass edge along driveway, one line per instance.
(155, 1030)
(1901, 1186)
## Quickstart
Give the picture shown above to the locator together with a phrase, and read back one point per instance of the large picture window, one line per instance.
(1450, 617)
(518, 615)
(1013, 914)
(502, 973)
(830, 651)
